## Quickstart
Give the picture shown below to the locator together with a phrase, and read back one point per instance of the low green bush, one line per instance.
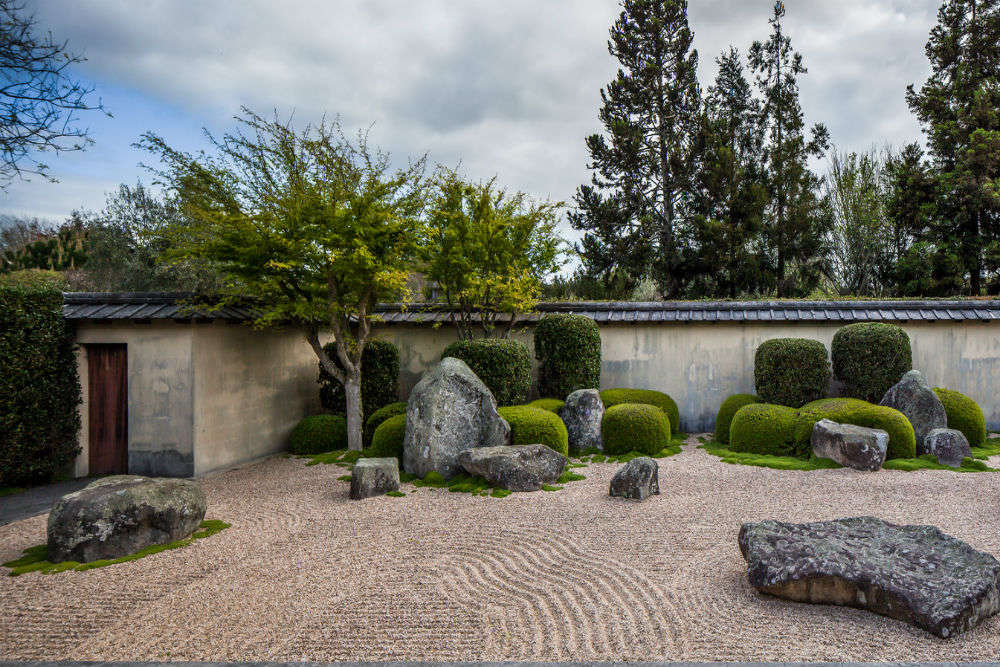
(504, 365)
(765, 428)
(379, 416)
(550, 404)
(791, 371)
(388, 439)
(318, 434)
(613, 397)
(379, 379)
(902, 441)
(530, 426)
(727, 411)
(641, 427)
(964, 415)
(869, 358)
(568, 349)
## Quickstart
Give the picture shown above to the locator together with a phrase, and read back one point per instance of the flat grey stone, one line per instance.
(374, 477)
(851, 446)
(582, 414)
(638, 479)
(515, 467)
(914, 398)
(948, 446)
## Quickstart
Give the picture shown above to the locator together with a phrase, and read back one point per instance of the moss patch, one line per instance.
(929, 462)
(987, 449)
(395, 494)
(765, 460)
(550, 487)
(569, 476)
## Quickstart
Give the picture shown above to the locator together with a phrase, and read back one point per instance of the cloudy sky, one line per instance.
(508, 88)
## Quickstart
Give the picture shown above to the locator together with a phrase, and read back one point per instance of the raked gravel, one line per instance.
(306, 574)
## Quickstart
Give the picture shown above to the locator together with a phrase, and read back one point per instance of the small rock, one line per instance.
(852, 446)
(915, 574)
(122, 514)
(914, 398)
(515, 467)
(374, 477)
(638, 479)
(948, 446)
(582, 415)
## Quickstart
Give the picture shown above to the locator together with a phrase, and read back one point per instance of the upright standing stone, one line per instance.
(948, 446)
(852, 446)
(914, 398)
(582, 415)
(450, 410)
(374, 477)
(638, 479)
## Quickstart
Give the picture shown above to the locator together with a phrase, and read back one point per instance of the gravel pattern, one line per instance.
(306, 574)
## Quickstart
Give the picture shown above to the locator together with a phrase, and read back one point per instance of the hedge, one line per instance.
(964, 415)
(612, 397)
(387, 440)
(529, 426)
(379, 416)
(39, 386)
(318, 434)
(765, 428)
(724, 420)
(568, 349)
(869, 358)
(902, 441)
(503, 364)
(791, 371)
(550, 404)
(379, 379)
(640, 427)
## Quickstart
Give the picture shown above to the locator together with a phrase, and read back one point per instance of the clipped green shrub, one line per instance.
(379, 379)
(640, 427)
(503, 364)
(612, 397)
(869, 358)
(791, 371)
(388, 439)
(379, 416)
(568, 349)
(765, 428)
(902, 441)
(530, 426)
(550, 404)
(727, 411)
(964, 415)
(318, 434)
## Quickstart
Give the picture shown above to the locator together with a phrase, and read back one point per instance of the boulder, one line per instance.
(638, 479)
(915, 574)
(450, 410)
(119, 515)
(515, 467)
(948, 446)
(914, 398)
(851, 446)
(582, 414)
(374, 477)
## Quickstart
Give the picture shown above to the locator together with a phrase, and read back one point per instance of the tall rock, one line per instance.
(582, 414)
(914, 398)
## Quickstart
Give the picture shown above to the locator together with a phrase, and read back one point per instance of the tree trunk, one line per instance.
(352, 390)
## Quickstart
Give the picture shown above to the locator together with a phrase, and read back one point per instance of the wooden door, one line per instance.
(107, 367)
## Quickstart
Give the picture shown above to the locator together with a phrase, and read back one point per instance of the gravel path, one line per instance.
(305, 574)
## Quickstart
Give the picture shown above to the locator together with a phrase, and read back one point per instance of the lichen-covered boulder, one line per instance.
(582, 415)
(374, 477)
(916, 399)
(851, 446)
(915, 574)
(638, 479)
(120, 515)
(450, 410)
(515, 467)
(949, 446)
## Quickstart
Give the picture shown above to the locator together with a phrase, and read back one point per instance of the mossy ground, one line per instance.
(929, 462)
(597, 456)
(989, 448)
(35, 558)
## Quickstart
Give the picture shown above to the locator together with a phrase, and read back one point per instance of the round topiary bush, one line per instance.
(964, 415)
(318, 434)
(568, 349)
(612, 397)
(791, 371)
(764, 428)
(530, 426)
(550, 404)
(504, 365)
(379, 416)
(869, 358)
(388, 438)
(727, 411)
(902, 441)
(640, 427)
(379, 379)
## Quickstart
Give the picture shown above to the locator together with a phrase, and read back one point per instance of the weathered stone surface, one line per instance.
(119, 515)
(914, 398)
(948, 446)
(374, 477)
(912, 573)
(450, 410)
(515, 467)
(638, 479)
(851, 446)
(582, 415)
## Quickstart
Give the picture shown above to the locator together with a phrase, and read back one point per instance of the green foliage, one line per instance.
(379, 416)
(568, 349)
(379, 381)
(791, 371)
(964, 415)
(902, 441)
(62, 250)
(529, 426)
(869, 358)
(504, 365)
(388, 439)
(39, 387)
(776, 430)
(930, 462)
(767, 460)
(553, 405)
(727, 411)
(635, 426)
(37, 278)
(612, 397)
(318, 434)
(986, 450)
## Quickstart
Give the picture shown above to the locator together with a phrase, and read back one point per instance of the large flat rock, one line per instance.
(515, 467)
(912, 573)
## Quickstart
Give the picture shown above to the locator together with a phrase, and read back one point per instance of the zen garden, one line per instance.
(301, 401)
